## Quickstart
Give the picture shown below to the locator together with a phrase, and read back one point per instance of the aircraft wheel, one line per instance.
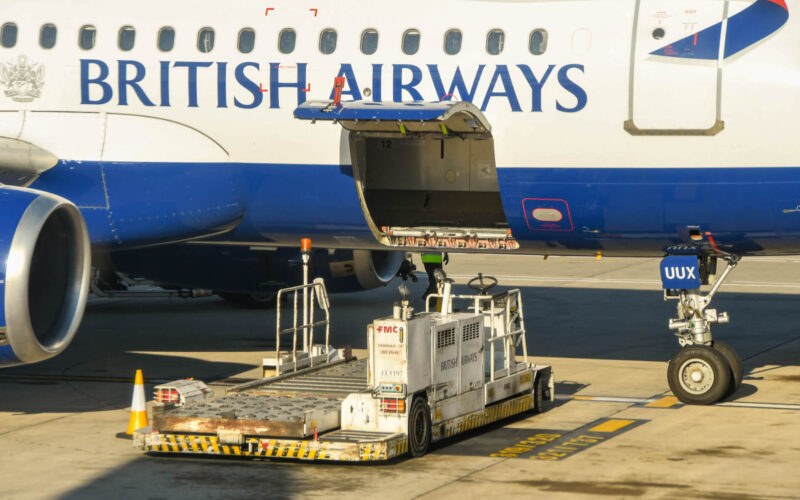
(735, 362)
(538, 395)
(699, 375)
(263, 300)
(419, 427)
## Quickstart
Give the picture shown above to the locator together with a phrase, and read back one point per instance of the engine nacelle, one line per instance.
(45, 263)
(235, 269)
(354, 270)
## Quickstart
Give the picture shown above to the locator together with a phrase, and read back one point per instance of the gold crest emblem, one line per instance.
(23, 81)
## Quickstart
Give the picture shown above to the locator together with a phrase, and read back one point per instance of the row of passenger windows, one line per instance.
(287, 38)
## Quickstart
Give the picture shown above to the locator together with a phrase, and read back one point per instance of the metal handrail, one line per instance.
(315, 290)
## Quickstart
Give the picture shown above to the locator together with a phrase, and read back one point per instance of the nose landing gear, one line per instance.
(699, 375)
(704, 371)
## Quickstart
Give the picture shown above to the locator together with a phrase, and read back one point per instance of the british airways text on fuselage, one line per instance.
(122, 82)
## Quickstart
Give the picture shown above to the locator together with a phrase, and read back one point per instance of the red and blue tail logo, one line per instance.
(746, 28)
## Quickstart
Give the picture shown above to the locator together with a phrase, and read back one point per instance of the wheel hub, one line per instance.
(696, 376)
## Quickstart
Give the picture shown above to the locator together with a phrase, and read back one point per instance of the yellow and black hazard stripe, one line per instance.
(179, 443)
(377, 450)
(397, 447)
(282, 448)
(332, 450)
(487, 416)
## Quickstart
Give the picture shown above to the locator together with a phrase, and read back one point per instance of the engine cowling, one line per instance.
(45, 263)
(233, 269)
(375, 268)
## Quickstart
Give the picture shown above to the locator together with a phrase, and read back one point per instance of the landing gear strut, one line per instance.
(704, 371)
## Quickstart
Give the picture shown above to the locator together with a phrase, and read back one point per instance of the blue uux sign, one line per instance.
(680, 272)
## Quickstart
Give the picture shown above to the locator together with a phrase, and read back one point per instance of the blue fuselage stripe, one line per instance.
(630, 210)
(747, 208)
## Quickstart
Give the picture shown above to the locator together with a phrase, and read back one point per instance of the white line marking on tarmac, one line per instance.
(735, 404)
(607, 399)
(655, 283)
(771, 406)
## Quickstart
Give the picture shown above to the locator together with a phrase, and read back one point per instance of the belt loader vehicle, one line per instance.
(428, 376)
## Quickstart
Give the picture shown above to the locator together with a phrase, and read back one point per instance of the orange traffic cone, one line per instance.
(138, 409)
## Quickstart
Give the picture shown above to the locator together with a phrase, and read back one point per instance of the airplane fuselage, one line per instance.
(637, 153)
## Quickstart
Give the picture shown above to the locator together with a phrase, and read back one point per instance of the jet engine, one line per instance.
(45, 264)
(370, 268)
(237, 273)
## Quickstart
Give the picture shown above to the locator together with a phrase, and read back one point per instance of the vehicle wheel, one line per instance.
(699, 375)
(735, 362)
(262, 300)
(538, 395)
(419, 427)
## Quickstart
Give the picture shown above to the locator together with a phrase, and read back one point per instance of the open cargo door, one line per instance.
(425, 172)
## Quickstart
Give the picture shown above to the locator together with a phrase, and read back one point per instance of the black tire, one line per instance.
(699, 375)
(250, 300)
(538, 394)
(734, 361)
(419, 427)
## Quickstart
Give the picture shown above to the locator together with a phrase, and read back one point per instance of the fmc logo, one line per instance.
(744, 29)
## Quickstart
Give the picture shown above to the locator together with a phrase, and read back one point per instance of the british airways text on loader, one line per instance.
(636, 127)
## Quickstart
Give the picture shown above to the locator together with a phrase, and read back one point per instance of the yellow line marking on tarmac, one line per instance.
(664, 402)
(612, 425)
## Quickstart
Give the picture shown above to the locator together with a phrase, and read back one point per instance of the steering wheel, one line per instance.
(482, 286)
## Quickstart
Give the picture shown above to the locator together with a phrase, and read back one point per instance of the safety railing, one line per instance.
(303, 325)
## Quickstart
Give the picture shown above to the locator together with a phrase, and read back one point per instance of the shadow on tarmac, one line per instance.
(120, 335)
(561, 322)
(157, 478)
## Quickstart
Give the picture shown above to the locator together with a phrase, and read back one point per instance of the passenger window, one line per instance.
(286, 41)
(410, 42)
(166, 39)
(327, 41)
(495, 41)
(369, 41)
(538, 42)
(8, 35)
(47, 36)
(452, 42)
(205, 40)
(247, 40)
(127, 37)
(87, 37)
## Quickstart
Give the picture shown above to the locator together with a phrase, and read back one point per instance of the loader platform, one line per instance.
(336, 445)
(428, 376)
(289, 406)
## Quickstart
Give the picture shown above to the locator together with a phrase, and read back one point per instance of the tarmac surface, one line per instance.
(601, 324)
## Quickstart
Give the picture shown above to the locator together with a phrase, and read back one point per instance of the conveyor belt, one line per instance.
(294, 406)
(256, 407)
(336, 381)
